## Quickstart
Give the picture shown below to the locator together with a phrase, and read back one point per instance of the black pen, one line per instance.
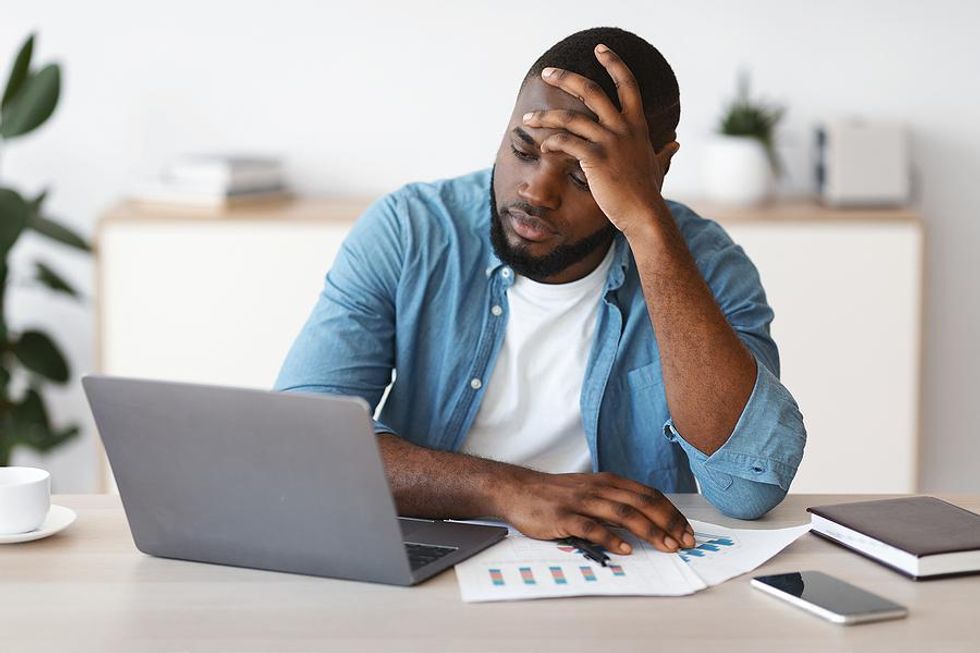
(587, 549)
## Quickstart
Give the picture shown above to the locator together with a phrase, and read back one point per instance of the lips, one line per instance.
(528, 227)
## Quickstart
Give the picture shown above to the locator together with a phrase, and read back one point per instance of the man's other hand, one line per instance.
(554, 506)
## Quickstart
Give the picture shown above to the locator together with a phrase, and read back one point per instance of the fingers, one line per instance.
(592, 530)
(585, 151)
(574, 122)
(654, 505)
(662, 530)
(626, 86)
(652, 517)
(588, 92)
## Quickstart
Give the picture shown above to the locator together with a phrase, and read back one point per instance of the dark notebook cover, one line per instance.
(921, 526)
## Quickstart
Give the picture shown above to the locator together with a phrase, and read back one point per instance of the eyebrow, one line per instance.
(524, 136)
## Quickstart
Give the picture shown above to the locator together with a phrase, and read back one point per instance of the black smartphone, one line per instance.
(829, 597)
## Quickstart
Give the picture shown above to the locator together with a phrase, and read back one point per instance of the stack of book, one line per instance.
(216, 181)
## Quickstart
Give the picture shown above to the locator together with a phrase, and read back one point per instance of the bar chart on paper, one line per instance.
(722, 553)
(525, 568)
(707, 545)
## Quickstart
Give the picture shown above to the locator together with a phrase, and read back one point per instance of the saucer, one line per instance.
(59, 518)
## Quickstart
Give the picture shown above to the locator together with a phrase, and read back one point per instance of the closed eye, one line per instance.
(523, 156)
(579, 183)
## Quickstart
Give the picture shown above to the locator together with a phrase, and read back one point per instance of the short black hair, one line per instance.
(658, 85)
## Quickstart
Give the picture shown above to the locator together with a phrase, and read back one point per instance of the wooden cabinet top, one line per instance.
(347, 209)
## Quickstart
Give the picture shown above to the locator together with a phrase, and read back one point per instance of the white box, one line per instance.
(863, 164)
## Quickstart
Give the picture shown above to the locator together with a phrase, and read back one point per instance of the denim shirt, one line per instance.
(416, 288)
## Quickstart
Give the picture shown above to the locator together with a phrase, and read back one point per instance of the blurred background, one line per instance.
(354, 100)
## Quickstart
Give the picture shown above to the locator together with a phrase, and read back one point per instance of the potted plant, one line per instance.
(740, 163)
(29, 359)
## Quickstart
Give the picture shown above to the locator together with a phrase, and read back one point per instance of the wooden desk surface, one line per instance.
(88, 588)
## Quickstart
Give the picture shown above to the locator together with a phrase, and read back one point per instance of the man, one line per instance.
(567, 344)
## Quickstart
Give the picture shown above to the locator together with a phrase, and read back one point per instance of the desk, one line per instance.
(89, 588)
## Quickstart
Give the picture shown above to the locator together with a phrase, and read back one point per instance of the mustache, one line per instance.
(524, 207)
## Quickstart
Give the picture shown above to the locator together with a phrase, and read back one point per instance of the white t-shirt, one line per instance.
(530, 414)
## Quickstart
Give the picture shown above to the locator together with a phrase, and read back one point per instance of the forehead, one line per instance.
(538, 95)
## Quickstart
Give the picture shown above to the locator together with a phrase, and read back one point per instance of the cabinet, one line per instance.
(219, 297)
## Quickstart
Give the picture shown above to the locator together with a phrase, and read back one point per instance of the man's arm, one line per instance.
(444, 485)
(717, 392)
(708, 372)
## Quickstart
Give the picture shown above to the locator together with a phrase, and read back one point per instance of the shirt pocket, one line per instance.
(644, 377)
(647, 401)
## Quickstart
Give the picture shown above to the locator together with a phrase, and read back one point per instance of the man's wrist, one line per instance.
(506, 487)
(648, 227)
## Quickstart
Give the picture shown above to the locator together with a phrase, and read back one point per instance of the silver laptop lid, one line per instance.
(280, 481)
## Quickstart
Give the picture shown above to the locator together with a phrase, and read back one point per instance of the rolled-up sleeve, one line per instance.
(346, 346)
(752, 472)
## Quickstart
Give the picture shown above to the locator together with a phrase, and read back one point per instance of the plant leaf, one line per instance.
(19, 71)
(55, 231)
(58, 438)
(31, 427)
(35, 204)
(53, 280)
(33, 104)
(30, 411)
(14, 214)
(39, 354)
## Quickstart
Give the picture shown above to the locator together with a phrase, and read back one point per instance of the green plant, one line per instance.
(754, 119)
(29, 99)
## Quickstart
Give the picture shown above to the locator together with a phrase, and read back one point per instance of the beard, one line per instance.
(519, 258)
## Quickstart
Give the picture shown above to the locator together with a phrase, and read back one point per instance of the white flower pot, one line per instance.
(737, 171)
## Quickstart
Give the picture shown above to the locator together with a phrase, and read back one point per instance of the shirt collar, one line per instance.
(622, 261)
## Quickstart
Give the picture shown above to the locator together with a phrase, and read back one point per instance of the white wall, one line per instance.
(362, 97)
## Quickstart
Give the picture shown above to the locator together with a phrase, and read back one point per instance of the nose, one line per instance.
(541, 189)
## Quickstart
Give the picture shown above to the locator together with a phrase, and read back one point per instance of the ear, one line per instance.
(666, 153)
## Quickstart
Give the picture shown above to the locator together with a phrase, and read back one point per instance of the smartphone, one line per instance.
(829, 597)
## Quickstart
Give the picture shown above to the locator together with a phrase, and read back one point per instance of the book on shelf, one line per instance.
(233, 172)
(215, 181)
(921, 537)
(197, 197)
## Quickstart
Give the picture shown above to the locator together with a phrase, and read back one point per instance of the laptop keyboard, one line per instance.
(420, 555)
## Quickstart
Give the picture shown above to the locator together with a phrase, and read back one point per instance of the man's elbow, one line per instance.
(752, 501)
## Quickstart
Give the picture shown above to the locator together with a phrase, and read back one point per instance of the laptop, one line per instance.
(279, 481)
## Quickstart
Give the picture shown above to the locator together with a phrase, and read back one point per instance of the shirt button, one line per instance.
(489, 271)
(476, 384)
(505, 273)
(497, 311)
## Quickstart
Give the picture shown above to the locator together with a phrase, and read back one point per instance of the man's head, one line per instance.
(544, 222)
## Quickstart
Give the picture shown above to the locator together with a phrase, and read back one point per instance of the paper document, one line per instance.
(523, 568)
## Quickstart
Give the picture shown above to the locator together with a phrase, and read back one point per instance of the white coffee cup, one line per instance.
(25, 498)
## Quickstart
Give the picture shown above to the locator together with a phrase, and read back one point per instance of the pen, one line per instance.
(587, 549)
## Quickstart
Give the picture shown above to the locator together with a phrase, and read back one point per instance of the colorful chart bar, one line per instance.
(496, 577)
(617, 570)
(588, 574)
(709, 544)
(558, 576)
(528, 576)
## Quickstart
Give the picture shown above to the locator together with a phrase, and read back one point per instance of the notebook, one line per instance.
(921, 537)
